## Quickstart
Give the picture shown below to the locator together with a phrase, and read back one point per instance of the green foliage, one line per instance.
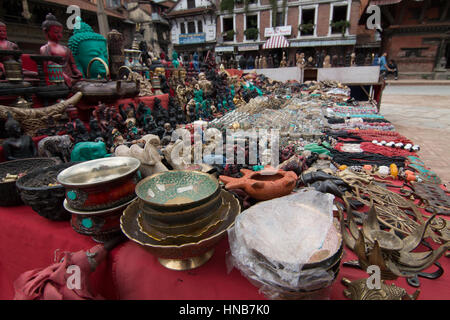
(227, 5)
(251, 33)
(229, 35)
(340, 25)
(306, 27)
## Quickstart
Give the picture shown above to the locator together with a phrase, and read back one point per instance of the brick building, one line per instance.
(24, 25)
(193, 27)
(315, 27)
(416, 34)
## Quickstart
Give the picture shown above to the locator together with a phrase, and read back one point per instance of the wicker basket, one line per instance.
(46, 201)
(8, 190)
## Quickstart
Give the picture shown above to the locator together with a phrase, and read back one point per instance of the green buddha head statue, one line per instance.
(87, 45)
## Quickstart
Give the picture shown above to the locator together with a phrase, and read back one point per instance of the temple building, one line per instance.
(24, 19)
(416, 34)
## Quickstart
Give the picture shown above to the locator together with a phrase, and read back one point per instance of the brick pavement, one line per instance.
(425, 119)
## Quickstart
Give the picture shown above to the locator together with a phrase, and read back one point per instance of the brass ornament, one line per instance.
(358, 290)
(393, 255)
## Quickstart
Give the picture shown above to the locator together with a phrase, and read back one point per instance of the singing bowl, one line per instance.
(184, 228)
(177, 190)
(185, 237)
(179, 257)
(183, 216)
(101, 225)
(100, 184)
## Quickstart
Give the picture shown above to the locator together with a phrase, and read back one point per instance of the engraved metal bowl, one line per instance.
(177, 190)
(100, 225)
(179, 257)
(100, 184)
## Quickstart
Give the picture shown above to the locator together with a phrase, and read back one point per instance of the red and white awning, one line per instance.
(276, 42)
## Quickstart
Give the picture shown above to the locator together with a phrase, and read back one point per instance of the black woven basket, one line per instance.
(46, 201)
(9, 195)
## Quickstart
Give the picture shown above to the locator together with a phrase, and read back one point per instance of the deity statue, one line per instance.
(87, 45)
(327, 62)
(352, 59)
(257, 62)
(17, 146)
(175, 61)
(283, 62)
(4, 43)
(54, 33)
(300, 59)
(263, 63)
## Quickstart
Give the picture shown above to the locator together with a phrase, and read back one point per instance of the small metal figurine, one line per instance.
(17, 145)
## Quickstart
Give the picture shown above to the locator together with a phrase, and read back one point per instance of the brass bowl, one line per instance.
(100, 225)
(182, 216)
(184, 236)
(177, 190)
(188, 227)
(100, 184)
(179, 257)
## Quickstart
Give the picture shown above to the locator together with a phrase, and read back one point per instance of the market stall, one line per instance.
(201, 177)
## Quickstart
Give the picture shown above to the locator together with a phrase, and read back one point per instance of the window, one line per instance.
(339, 14)
(308, 18)
(182, 28)
(113, 4)
(199, 26)
(191, 4)
(280, 19)
(191, 27)
(228, 29)
(251, 23)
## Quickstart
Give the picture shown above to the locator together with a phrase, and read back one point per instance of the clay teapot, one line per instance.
(266, 184)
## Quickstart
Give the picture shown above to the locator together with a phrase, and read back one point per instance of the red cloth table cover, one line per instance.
(28, 241)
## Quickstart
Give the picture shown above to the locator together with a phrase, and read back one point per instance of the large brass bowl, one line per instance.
(178, 257)
(177, 190)
(100, 184)
(175, 228)
(190, 233)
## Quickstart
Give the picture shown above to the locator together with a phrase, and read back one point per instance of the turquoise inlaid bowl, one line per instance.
(177, 190)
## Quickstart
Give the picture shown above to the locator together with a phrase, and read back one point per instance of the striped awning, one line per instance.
(276, 42)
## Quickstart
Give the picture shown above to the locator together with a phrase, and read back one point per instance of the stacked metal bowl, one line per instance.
(97, 192)
(180, 216)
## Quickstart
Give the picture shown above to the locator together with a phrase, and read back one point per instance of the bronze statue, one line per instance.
(17, 146)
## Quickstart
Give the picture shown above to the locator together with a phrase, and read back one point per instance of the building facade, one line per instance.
(416, 34)
(154, 27)
(192, 27)
(24, 21)
(314, 27)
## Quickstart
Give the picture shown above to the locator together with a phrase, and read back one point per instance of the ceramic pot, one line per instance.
(266, 184)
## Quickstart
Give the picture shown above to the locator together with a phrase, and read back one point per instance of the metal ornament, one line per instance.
(393, 255)
(358, 290)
